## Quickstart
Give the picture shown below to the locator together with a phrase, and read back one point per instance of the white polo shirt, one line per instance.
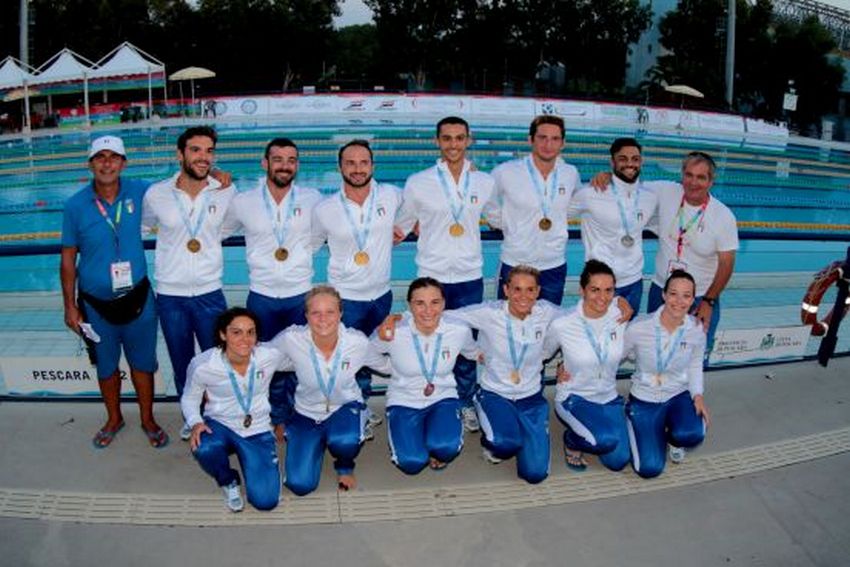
(352, 353)
(375, 219)
(590, 379)
(715, 231)
(607, 217)
(208, 375)
(491, 319)
(256, 214)
(681, 369)
(432, 198)
(179, 271)
(519, 211)
(408, 383)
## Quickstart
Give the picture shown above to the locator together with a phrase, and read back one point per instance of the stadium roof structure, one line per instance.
(126, 59)
(13, 73)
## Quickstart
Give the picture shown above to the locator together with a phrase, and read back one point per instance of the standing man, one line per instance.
(612, 221)
(275, 218)
(447, 200)
(531, 201)
(357, 223)
(696, 233)
(187, 211)
(102, 223)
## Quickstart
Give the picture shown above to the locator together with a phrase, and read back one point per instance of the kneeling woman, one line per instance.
(329, 410)
(234, 376)
(423, 410)
(590, 337)
(666, 403)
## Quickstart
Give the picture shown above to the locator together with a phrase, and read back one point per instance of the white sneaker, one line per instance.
(677, 455)
(185, 432)
(368, 431)
(470, 419)
(233, 497)
(490, 457)
(375, 419)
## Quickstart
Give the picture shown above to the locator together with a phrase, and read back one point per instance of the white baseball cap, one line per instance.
(111, 143)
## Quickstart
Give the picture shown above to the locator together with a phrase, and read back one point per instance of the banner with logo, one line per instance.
(744, 346)
(62, 376)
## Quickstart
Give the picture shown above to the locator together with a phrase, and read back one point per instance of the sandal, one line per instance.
(436, 465)
(575, 460)
(104, 437)
(158, 438)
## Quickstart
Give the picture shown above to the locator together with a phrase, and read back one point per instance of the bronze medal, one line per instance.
(361, 258)
(545, 223)
(247, 421)
(515, 376)
(456, 229)
(281, 254)
(627, 241)
(429, 389)
(194, 245)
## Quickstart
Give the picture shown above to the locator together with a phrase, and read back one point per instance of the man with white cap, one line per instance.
(107, 295)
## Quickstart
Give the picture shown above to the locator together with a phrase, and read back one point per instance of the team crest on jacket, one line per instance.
(562, 190)
(381, 211)
(128, 204)
(212, 209)
(473, 199)
(446, 354)
(346, 364)
(296, 211)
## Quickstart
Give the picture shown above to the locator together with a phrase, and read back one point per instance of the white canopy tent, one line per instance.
(14, 75)
(127, 59)
(66, 66)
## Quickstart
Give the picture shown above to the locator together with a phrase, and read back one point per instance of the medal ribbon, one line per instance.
(662, 359)
(327, 388)
(540, 188)
(516, 361)
(685, 228)
(457, 211)
(360, 235)
(621, 206)
(600, 350)
(244, 403)
(428, 374)
(193, 232)
(279, 228)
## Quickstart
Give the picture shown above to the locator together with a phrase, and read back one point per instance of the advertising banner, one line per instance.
(744, 346)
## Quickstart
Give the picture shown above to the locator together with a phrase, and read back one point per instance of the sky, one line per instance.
(356, 12)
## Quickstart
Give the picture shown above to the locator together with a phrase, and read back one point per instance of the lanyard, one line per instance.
(684, 228)
(327, 388)
(244, 401)
(279, 228)
(516, 361)
(600, 350)
(621, 206)
(662, 359)
(543, 191)
(112, 224)
(427, 373)
(193, 232)
(457, 211)
(360, 235)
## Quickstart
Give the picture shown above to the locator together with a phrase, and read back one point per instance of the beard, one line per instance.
(622, 177)
(278, 180)
(189, 170)
(358, 185)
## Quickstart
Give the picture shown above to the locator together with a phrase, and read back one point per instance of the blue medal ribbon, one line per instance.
(457, 211)
(428, 373)
(516, 361)
(279, 228)
(621, 206)
(193, 231)
(360, 235)
(662, 359)
(327, 388)
(244, 401)
(546, 197)
(600, 350)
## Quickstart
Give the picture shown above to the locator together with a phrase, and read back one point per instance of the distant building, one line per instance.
(644, 54)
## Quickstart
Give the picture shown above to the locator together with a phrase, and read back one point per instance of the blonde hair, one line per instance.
(322, 290)
(521, 270)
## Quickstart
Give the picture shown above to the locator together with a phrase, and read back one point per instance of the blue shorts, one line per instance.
(138, 338)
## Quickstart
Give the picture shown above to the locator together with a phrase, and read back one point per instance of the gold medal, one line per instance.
(515, 376)
(281, 254)
(194, 245)
(456, 229)
(361, 258)
(545, 223)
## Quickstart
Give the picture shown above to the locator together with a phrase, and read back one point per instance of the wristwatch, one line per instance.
(710, 300)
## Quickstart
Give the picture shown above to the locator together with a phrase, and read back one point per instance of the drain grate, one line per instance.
(369, 506)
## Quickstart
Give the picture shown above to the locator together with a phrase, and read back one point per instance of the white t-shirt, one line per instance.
(407, 386)
(447, 258)
(208, 374)
(681, 366)
(169, 210)
(518, 206)
(256, 214)
(374, 223)
(714, 231)
(493, 320)
(603, 230)
(592, 379)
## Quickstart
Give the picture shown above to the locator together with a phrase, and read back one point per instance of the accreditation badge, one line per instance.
(121, 274)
